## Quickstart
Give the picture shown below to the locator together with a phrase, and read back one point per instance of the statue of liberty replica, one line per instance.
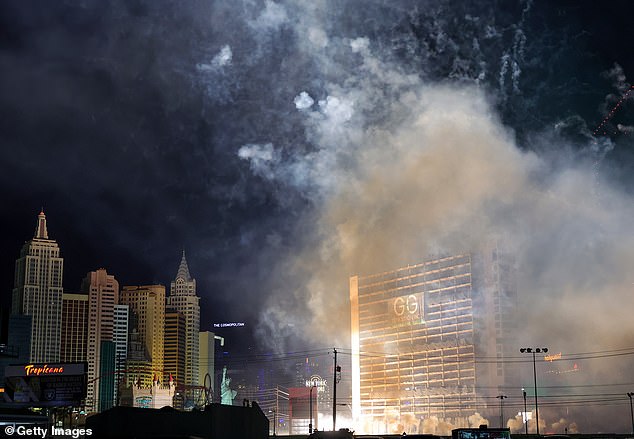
(226, 394)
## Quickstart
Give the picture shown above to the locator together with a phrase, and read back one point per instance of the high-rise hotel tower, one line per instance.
(183, 299)
(417, 333)
(38, 293)
(74, 328)
(147, 333)
(102, 290)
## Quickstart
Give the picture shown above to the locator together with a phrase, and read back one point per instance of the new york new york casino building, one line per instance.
(425, 340)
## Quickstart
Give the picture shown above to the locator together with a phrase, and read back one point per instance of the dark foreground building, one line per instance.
(215, 422)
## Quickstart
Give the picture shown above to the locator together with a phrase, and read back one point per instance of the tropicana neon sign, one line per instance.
(31, 369)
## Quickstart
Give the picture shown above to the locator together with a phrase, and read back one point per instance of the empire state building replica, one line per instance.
(38, 292)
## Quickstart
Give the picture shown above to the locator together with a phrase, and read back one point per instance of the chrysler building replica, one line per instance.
(183, 299)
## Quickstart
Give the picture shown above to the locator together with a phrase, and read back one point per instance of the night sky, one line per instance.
(288, 145)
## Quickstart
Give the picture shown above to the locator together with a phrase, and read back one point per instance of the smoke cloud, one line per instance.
(438, 173)
(404, 168)
(303, 101)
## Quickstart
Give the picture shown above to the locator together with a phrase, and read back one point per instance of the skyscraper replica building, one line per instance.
(38, 292)
(74, 328)
(174, 348)
(147, 332)
(121, 329)
(183, 299)
(102, 290)
(416, 334)
(143, 385)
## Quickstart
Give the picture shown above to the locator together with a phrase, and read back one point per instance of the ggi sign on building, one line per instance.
(409, 309)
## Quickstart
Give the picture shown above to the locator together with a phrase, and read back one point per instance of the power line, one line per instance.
(507, 359)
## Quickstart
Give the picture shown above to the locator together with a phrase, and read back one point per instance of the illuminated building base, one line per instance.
(153, 397)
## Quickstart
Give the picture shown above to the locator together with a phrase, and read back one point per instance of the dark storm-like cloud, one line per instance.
(105, 112)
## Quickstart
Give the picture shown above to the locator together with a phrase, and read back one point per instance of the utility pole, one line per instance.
(310, 404)
(534, 351)
(277, 407)
(535, 381)
(334, 393)
(501, 398)
(629, 395)
(525, 416)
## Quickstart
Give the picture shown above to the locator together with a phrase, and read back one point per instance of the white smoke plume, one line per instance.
(516, 424)
(223, 58)
(262, 158)
(272, 17)
(402, 168)
(476, 420)
(303, 101)
(619, 81)
(614, 102)
(437, 171)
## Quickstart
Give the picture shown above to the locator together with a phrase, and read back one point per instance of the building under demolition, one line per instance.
(428, 341)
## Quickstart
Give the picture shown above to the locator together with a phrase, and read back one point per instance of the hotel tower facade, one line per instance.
(145, 358)
(417, 333)
(102, 290)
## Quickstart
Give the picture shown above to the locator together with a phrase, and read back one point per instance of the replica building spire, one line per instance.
(183, 270)
(40, 230)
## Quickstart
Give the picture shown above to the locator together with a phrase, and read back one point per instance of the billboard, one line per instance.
(45, 385)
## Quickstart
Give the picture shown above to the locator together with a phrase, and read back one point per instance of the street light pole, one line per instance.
(535, 381)
(334, 393)
(501, 398)
(525, 415)
(629, 395)
(274, 420)
(310, 425)
(535, 351)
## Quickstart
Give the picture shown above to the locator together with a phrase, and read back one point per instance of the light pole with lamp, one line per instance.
(534, 351)
(274, 420)
(335, 380)
(501, 398)
(525, 417)
(629, 395)
(310, 397)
